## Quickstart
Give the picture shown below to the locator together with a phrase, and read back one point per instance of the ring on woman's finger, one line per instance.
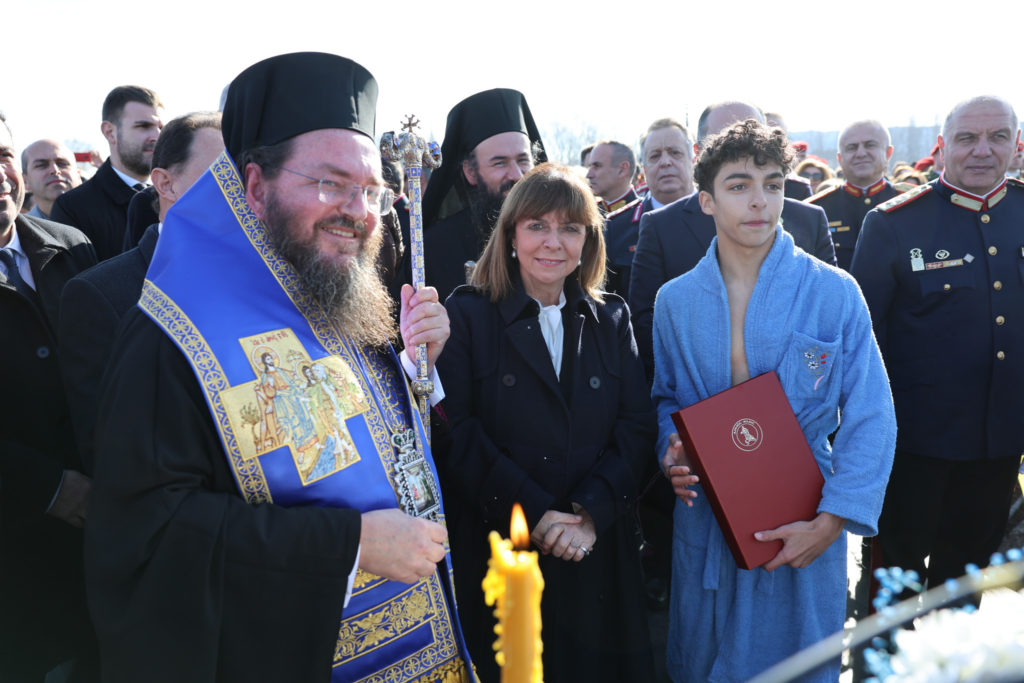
(586, 551)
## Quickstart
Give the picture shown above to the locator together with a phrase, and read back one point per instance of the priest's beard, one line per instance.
(485, 206)
(352, 294)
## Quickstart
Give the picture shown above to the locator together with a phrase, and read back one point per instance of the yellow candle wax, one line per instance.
(515, 583)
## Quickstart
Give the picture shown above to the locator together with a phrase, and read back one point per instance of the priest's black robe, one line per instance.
(185, 580)
(447, 246)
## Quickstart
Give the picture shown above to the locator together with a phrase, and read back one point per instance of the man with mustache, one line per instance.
(132, 119)
(232, 535)
(490, 141)
(50, 171)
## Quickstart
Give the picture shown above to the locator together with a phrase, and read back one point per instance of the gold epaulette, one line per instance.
(824, 193)
(622, 209)
(901, 200)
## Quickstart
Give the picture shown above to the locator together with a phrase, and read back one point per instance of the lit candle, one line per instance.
(515, 582)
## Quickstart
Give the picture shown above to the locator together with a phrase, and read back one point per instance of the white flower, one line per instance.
(958, 645)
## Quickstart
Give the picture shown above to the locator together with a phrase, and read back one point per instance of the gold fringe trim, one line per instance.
(454, 671)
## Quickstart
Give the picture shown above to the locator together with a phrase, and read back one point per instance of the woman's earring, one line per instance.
(513, 252)
(580, 263)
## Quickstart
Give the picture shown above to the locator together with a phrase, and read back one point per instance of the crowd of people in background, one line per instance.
(210, 468)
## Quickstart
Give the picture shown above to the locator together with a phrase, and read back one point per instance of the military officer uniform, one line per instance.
(621, 233)
(611, 207)
(846, 206)
(943, 274)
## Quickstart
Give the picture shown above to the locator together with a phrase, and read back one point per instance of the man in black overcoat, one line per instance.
(43, 620)
(132, 119)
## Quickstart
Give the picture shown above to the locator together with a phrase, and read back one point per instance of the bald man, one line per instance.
(50, 171)
(864, 151)
(940, 267)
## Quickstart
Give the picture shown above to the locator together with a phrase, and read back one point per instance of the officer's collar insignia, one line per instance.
(966, 202)
(616, 204)
(974, 202)
(866, 192)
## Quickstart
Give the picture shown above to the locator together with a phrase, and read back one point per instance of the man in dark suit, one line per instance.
(94, 302)
(668, 167)
(43, 620)
(667, 157)
(132, 119)
(673, 239)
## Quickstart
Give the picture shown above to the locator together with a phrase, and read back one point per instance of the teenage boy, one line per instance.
(757, 303)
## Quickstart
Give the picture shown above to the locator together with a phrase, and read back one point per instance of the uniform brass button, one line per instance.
(993, 251)
(985, 218)
(946, 287)
(1000, 320)
(997, 285)
(1000, 355)
(867, 200)
(509, 380)
(43, 352)
(595, 382)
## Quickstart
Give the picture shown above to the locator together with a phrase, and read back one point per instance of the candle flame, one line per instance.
(519, 532)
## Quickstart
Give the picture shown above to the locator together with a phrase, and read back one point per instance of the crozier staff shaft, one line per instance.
(414, 153)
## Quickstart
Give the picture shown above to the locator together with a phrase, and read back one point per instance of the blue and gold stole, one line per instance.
(305, 416)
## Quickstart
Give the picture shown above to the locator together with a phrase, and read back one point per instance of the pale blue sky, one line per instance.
(611, 66)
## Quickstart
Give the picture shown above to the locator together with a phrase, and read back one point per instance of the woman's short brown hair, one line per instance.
(548, 187)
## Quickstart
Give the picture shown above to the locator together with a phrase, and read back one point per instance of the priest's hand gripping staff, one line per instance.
(413, 152)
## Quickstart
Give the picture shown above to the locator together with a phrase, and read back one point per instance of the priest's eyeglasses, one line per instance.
(378, 198)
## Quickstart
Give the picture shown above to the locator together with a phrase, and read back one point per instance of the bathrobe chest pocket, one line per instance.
(809, 365)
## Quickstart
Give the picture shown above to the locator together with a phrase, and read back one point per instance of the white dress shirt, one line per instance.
(551, 329)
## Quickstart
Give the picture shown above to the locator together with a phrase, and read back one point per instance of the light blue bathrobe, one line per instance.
(726, 623)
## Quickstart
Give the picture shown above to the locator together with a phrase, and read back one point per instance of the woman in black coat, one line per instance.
(548, 407)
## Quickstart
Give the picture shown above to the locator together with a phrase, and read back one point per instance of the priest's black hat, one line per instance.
(470, 122)
(291, 94)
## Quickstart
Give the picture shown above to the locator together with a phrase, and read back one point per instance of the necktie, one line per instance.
(13, 276)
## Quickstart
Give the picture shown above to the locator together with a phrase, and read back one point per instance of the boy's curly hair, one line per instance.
(745, 139)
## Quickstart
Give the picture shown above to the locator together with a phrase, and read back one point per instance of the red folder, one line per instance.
(753, 462)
